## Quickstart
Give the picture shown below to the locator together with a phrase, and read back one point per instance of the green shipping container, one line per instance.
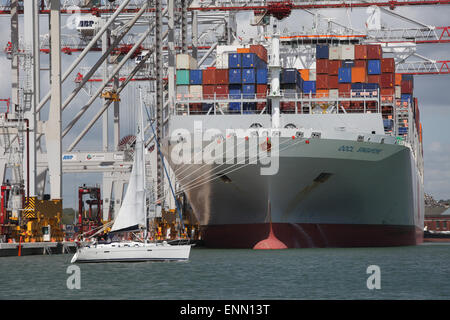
(182, 77)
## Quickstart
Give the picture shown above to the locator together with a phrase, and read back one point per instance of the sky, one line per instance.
(433, 92)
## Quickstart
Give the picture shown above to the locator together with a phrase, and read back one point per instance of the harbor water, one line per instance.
(416, 272)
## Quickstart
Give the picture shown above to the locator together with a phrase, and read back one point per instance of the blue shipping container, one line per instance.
(388, 123)
(374, 67)
(234, 60)
(249, 60)
(234, 106)
(370, 86)
(261, 64)
(407, 77)
(207, 106)
(309, 87)
(249, 107)
(402, 130)
(195, 77)
(322, 51)
(248, 91)
(235, 91)
(235, 76)
(249, 75)
(289, 76)
(261, 76)
(406, 97)
(345, 75)
(357, 86)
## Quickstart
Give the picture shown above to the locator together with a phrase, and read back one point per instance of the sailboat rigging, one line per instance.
(132, 216)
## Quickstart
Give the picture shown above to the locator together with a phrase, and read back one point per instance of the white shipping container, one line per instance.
(222, 60)
(312, 74)
(348, 52)
(182, 92)
(186, 62)
(196, 92)
(334, 93)
(335, 53)
(227, 49)
(398, 92)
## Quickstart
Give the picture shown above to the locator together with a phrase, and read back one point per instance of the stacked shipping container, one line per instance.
(341, 71)
(245, 75)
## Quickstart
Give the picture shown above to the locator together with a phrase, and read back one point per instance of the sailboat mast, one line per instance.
(141, 140)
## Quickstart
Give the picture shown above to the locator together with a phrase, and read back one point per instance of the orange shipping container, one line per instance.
(243, 50)
(398, 79)
(322, 93)
(304, 73)
(359, 75)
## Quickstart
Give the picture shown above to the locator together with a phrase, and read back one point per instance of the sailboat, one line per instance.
(132, 216)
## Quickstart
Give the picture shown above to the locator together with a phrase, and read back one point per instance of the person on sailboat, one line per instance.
(168, 233)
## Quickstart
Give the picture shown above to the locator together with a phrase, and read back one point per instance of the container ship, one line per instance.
(343, 146)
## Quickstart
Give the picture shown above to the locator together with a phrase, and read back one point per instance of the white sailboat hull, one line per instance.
(132, 252)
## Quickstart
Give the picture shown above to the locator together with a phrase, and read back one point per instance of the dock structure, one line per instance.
(36, 248)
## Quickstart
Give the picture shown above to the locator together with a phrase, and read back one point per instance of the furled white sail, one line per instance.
(132, 213)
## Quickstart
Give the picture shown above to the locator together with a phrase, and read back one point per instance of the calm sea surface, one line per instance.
(417, 272)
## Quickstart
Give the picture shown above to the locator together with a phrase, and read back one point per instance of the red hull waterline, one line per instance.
(305, 235)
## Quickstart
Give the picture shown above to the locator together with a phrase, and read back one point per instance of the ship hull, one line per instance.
(131, 252)
(322, 195)
(312, 235)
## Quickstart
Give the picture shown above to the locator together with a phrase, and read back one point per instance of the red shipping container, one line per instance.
(260, 51)
(344, 89)
(373, 78)
(387, 91)
(387, 65)
(287, 106)
(322, 66)
(374, 51)
(221, 89)
(261, 91)
(407, 86)
(333, 67)
(333, 82)
(260, 106)
(361, 64)
(208, 91)
(322, 81)
(221, 76)
(416, 112)
(361, 52)
(195, 107)
(387, 80)
(209, 76)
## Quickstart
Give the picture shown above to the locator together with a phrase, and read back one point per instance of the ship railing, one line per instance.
(360, 101)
